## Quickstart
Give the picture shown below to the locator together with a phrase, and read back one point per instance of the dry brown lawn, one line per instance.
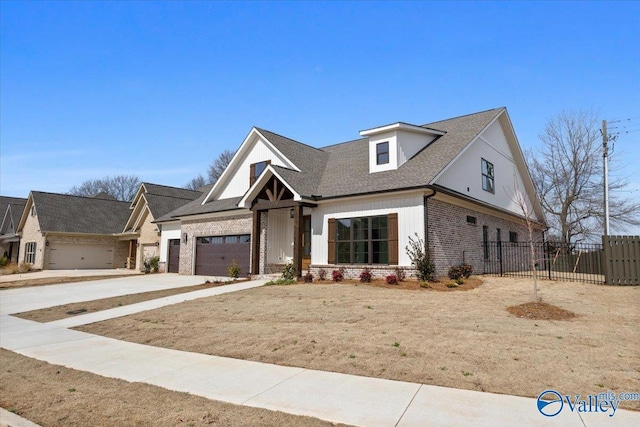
(52, 395)
(50, 314)
(464, 340)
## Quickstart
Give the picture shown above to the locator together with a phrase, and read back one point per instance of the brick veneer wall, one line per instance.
(353, 271)
(234, 224)
(452, 240)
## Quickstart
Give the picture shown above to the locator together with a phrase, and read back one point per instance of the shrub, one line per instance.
(308, 278)
(451, 285)
(280, 282)
(392, 279)
(154, 262)
(365, 276)
(289, 272)
(425, 285)
(337, 276)
(467, 270)
(455, 272)
(233, 270)
(460, 281)
(322, 274)
(421, 259)
(400, 274)
(4, 261)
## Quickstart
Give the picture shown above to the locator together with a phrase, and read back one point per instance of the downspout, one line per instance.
(425, 204)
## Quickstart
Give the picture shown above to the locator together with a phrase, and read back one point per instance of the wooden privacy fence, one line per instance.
(621, 260)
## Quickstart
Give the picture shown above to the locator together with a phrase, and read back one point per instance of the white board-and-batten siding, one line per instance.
(409, 208)
(465, 174)
(238, 183)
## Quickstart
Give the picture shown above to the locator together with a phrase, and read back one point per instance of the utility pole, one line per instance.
(605, 160)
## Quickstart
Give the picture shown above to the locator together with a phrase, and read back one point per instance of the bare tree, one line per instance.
(567, 173)
(219, 165)
(529, 215)
(121, 187)
(195, 183)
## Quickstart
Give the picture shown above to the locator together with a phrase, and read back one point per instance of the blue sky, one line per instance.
(159, 89)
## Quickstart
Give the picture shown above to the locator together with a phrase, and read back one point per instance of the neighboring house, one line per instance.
(60, 231)
(10, 212)
(150, 202)
(356, 204)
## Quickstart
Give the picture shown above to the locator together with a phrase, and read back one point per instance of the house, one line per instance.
(10, 210)
(150, 202)
(61, 231)
(356, 204)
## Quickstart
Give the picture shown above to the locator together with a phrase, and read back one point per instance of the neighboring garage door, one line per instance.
(214, 254)
(174, 256)
(70, 257)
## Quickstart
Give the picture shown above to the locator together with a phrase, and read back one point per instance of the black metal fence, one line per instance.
(581, 262)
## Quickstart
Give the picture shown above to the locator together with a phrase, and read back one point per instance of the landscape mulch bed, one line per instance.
(540, 311)
(413, 285)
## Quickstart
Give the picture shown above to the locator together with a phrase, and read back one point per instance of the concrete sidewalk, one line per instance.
(330, 396)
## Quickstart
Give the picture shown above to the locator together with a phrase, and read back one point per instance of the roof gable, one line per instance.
(10, 210)
(158, 200)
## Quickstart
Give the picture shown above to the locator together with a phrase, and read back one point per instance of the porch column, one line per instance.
(298, 222)
(255, 243)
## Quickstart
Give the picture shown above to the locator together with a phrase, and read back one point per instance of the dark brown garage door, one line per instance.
(214, 254)
(174, 256)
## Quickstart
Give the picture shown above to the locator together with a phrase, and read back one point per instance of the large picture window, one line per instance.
(487, 177)
(362, 240)
(30, 252)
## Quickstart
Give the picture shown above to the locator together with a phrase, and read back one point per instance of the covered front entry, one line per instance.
(281, 228)
(215, 254)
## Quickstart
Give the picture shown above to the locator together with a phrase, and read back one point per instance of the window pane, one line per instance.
(343, 253)
(217, 240)
(380, 252)
(259, 167)
(361, 252)
(382, 153)
(245, 238)
(379, 229)
(360, 228)
(343, 229)
(231, 239)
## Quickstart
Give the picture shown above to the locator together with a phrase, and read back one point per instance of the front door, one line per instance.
(306, 243)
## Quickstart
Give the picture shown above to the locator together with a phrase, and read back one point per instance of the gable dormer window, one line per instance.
(256, 169)
(487, 177)
(382, 153)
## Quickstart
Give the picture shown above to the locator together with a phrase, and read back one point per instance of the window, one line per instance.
(513, 237)
(485, 241)
(30, 252)
(382, 153)
(256, 169)
(471, 220)
(362, 240)
(487, 177)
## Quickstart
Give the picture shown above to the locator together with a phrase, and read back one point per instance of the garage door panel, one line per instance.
(64, 256)
(215, 254)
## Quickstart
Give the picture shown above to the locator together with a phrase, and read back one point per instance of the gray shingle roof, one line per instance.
(196, 207)
(77, 214)
(343, 169)
(17, 206)
(166, 191)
